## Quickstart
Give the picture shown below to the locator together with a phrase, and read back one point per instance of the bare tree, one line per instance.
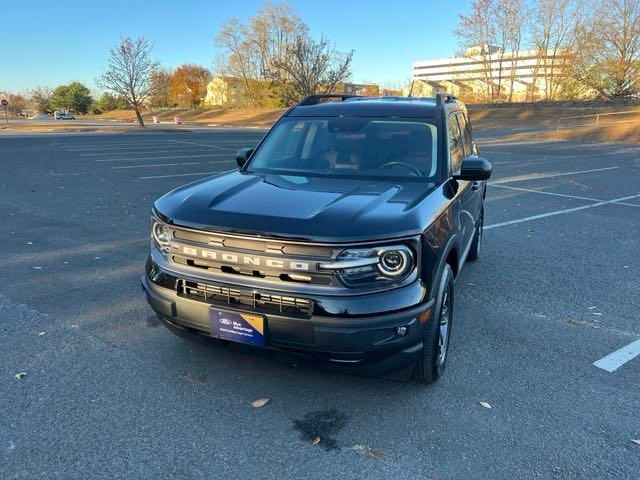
(160, 81)
(511, 18)
(553, 36)
(608, 60)
(273, 31)
(476, 35)
(129, 72)
(17, 102)
(241, 59)
(250, 50)
(40, 97)
(310, 67)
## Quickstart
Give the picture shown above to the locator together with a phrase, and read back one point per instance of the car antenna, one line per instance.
(411, 89)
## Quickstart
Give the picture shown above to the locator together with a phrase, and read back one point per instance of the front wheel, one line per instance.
(437, 333)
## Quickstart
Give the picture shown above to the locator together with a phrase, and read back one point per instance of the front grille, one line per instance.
(245, 299)
(270, 275)
(270, 260)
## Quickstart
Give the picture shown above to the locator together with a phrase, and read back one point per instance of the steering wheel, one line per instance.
(412, 168)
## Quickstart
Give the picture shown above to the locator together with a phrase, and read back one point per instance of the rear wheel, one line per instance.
(476, 244)
(430, 365)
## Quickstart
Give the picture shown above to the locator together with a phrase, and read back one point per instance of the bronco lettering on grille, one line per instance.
(239, 259)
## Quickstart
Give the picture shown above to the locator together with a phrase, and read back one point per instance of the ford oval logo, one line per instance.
(225, 321)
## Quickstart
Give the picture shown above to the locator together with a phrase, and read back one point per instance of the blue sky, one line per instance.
(46, 42)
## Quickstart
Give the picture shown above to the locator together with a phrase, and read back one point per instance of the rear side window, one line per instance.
(465, 127)
(456, 151)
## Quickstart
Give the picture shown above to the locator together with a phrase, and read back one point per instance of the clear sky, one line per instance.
(47, 42)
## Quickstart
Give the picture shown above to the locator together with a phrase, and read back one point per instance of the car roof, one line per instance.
(408, 107)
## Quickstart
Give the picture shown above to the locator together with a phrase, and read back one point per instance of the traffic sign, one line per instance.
(4, 102)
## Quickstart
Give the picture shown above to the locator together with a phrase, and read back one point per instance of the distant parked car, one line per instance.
(63, 116)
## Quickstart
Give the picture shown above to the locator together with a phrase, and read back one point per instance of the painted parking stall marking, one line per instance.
(560, 212)
(201, 145)
(615, 360)
(149, 165)
(537, 176)
(180, 156)
(164, 157)
(204, 174)
(542, 192)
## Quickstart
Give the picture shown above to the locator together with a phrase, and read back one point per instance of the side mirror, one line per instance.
(243, 155)
(474, 169)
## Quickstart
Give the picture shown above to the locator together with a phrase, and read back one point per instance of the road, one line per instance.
(114, 125)
(107, 392)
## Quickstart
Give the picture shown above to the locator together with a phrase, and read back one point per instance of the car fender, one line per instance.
(454, 242)
(441, 252)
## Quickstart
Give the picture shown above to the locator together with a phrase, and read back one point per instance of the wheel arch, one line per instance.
(449, 254)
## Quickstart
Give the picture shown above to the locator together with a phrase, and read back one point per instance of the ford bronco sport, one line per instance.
(338, 237)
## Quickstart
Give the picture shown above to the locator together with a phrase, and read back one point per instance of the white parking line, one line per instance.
(545, 193)
(119, 147)
(535, 176)
(561, 195)
(160, 158)
(199, 144)
(559, 212)
(615, 360)
(122, 151)
(156, 165)
(178, 175)
(104, 144)
(138, 152)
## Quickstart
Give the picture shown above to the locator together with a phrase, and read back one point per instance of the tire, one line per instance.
(476, 244)
(437, 333)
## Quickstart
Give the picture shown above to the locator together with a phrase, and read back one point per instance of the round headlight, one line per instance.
(394, 262)
(161, 233)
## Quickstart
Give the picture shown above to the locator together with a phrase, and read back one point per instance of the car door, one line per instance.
(465, 193)
(477, 188)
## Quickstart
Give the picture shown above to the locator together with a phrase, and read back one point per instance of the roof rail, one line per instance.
(444, 97)
(315, 99)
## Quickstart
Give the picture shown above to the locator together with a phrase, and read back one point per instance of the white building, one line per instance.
(491, 73)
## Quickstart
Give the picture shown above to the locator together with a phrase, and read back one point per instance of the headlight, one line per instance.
(395, 262)
(161, 234)
(373, 265)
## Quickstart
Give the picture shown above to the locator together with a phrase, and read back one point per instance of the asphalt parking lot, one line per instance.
(109, 393)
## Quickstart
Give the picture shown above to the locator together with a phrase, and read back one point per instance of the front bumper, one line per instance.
(365, 339)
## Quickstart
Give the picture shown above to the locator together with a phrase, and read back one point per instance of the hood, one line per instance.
(308, 208)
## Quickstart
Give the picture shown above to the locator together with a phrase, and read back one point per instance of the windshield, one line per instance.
(349, 147)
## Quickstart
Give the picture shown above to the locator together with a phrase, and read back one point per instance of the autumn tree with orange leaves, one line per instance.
(188, 85)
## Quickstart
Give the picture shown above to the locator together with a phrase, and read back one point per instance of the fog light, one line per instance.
(401, 331)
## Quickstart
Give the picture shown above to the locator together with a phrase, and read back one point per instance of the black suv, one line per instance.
(338, 237)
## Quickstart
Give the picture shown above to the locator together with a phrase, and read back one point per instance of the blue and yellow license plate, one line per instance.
(237, 327)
